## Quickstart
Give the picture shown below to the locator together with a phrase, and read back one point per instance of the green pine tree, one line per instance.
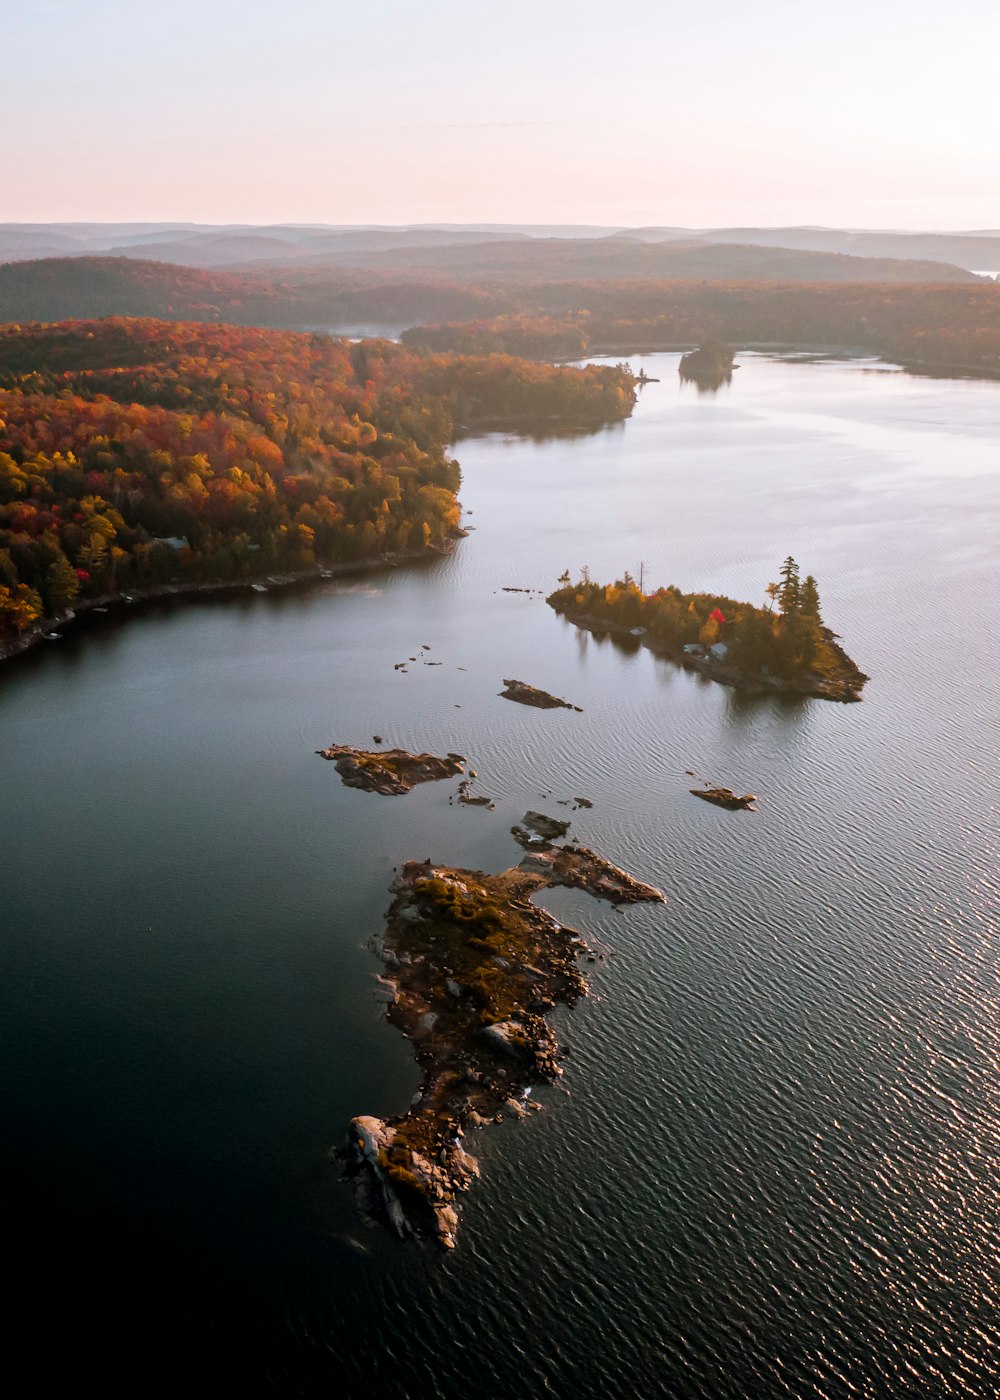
(789, 588)
(809, 599)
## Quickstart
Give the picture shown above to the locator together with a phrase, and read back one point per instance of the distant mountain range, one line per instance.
(582, 250)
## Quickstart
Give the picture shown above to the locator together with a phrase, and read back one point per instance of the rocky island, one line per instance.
(785, 647)
(526, 694)
(390, 771)
(472, 969)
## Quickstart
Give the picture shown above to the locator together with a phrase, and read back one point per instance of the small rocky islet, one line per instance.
(472, 969)
(391, 772)
(525, 694)
(726, 797)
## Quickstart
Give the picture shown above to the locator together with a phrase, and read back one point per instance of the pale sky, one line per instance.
(871, 113)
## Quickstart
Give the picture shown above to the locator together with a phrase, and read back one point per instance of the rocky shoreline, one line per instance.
(472, 967)
(844, 687)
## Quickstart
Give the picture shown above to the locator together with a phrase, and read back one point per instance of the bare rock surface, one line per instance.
(526, 694)
(390, 771)
(725, 797)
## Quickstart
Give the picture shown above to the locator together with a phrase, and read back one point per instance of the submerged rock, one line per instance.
(549, 828)
(468, 800)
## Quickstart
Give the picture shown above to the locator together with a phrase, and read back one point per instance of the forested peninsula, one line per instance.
(141, 456)
(934, 328)
(785, 647)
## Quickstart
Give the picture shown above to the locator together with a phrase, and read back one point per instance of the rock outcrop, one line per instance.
(390, 771)
(725, 797)
(476, 966)
(526, 694)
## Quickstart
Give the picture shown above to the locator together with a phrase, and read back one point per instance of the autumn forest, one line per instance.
(136, 454)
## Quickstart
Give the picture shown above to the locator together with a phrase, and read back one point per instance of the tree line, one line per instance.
(933, 326)
(135, 453)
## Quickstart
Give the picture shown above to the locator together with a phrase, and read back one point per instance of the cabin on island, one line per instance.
(718, 651)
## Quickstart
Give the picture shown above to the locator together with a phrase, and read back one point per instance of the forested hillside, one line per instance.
(438, 284)
(931, 325)
(134, 453)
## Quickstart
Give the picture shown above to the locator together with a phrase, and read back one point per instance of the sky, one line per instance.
(867, 113)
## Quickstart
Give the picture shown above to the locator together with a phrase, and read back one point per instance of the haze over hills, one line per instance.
(550, 317)
(623, 256)
(975, 251)
(359, 287)
(239, 245)
(53, 289)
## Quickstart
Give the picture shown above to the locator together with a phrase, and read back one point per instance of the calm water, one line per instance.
(771, 1169)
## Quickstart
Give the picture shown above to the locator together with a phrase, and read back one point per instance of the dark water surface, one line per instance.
(772, 1167)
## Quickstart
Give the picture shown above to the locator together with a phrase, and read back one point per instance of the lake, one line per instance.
(770, 1168)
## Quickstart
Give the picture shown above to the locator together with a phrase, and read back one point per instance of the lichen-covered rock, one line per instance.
(390, 771)
(507, 1037)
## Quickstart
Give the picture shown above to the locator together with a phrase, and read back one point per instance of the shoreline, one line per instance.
(926, 368)
(317, 573)
(818, 688)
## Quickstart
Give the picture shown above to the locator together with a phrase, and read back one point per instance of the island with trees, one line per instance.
(473, 968)
(710, 366)
(140, 457)
(783, 647)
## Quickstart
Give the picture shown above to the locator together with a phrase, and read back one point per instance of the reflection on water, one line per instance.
(771, 1169)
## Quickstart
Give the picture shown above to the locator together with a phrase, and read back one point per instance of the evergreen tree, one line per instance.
(789, 589)
(809, 599)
